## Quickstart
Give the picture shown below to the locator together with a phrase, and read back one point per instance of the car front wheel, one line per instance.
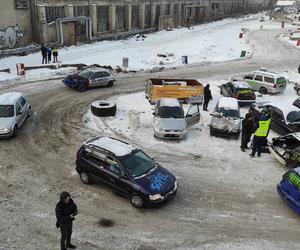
(298, 92)
(110, 84)
(85, 178)
(29, 112)
(137, 201)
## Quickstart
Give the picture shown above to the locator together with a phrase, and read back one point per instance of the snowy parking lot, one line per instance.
(225, 200)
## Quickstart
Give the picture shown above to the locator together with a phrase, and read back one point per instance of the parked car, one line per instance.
(289, 189)
(90, 78)
(126, 169)
(240, 91)
(297, 88)
(266, 82)
(226, 118)
(286, 149)
(170, 122)
(285, 117)
(14, 109)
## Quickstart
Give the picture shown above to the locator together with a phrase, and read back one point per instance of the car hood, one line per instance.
(170, 123)
(159, 181)
(226, 123)
(6, 122)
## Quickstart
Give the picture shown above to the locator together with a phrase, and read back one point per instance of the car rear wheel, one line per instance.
(82, 87)
(29, 112)
(110, 84)
(85, 178)
(263, 91)
(298, 92)
(137, 201)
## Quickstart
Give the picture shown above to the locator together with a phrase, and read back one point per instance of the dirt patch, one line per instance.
(106, 222)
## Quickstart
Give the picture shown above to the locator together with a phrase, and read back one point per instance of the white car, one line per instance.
(170, 122)
(226, 118)
(14, 109)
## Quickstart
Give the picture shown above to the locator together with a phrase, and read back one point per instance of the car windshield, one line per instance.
(293, 116)
(6, 110)
(170, 112)
(244, 91)
(85, 74)
(138, 164)
(228, 112)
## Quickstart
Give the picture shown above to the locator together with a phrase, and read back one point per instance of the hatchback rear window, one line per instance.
(6, 110)
(294, 179)
(281, 80)
(244, 92)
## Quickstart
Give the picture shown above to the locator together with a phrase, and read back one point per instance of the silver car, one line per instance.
(170, 122)
(226, 120)
(14, 109)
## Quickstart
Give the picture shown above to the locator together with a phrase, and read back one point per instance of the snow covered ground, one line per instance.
(198, 133)
(216, 41)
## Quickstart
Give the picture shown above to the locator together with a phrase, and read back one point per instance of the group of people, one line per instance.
(258, 125)
(47, 54)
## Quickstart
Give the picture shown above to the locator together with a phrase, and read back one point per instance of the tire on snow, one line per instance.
(103, 108)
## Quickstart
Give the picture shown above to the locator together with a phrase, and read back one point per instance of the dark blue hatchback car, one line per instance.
(289, 189)
(126, 169)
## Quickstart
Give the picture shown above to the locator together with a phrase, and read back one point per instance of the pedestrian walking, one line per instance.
(49, 53)
(247, 130)
(207, 97)
(44, 54)
(65, 211)
(260, 134)
(55, 54)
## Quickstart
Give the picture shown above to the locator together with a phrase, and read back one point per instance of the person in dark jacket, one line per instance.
(207, 97)
(44, 51)
(248, 125)
(65, 211)
(49, 54)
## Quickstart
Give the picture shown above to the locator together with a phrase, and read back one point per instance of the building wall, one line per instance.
(15, 24)
(114, 17)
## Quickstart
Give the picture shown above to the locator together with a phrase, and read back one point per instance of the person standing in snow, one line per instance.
(55, 54)
(44, 54)
(207, 97)
(247, 130)
(65, 211)
(49, 52)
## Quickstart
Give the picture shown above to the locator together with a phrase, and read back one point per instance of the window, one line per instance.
(258, 78)
(170, 112)
(113, 166)
(293, 116)
(277, 114)
(269, 79)
(105, 74)
(249, 77)
(81, 10)
(21, 4)
(135, 18)
(54, 12)
(97, 75)
(102, 18)
(120, 17)
(22, 101)
(6, 110)
(281, 80)
(85, 74)
(18, 108)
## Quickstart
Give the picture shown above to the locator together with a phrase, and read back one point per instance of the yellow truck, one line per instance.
(185, 90)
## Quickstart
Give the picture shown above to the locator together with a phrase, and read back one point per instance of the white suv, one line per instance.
(14, 109)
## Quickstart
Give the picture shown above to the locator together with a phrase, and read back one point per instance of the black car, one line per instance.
(285, 117)
(286, 149)
(240, 91)
(126, 169)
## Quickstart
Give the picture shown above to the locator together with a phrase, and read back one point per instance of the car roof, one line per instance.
(228, 102)
(268, 73)
(169, 102)
(111, 145)
(96, 69)
(241, 85)
(9, 98)
(286, 108)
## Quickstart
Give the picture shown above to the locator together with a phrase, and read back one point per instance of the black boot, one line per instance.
(70, 246)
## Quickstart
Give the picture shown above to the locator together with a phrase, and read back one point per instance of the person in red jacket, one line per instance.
(65, 211)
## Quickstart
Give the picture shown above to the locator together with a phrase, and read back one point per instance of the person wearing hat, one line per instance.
(65, 211)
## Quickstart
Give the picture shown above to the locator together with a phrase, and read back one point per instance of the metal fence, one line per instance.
(169, 21)
(54, 12)
(81, 11)
(121, 17)
(102, 18)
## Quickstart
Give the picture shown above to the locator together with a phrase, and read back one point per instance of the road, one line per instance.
(241, 211)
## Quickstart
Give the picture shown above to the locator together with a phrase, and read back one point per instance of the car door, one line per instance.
(115, 176)
(19, 114)
(24, 110)
(225, 89)
(193, 115)
(99, 79)
(105, 78)
(278, 121)
(94, 163)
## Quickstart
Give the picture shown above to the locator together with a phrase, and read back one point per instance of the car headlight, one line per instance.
(4, 130)
(155, 197)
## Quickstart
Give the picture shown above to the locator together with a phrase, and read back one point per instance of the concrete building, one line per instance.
(72, 21)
